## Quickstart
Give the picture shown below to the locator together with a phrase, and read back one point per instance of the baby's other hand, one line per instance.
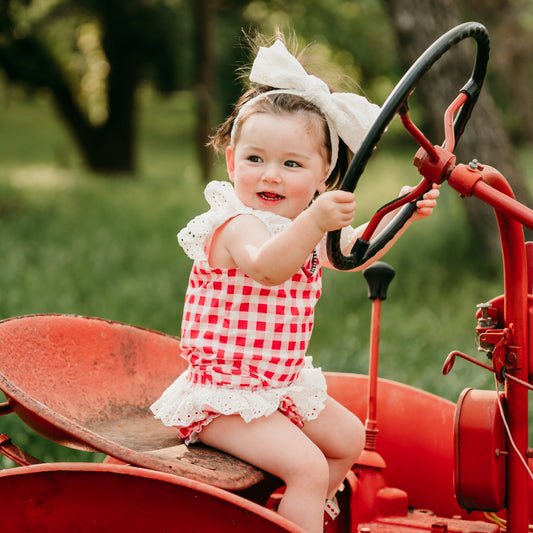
(333, 210)
(424, 207)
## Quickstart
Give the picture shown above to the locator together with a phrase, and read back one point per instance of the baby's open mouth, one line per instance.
(270, 196)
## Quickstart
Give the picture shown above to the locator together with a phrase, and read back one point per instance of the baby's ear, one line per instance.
(230, 161)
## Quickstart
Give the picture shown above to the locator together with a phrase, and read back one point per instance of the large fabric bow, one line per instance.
(349, 115)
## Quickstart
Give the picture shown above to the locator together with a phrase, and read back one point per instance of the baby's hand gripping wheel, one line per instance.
(364, 249)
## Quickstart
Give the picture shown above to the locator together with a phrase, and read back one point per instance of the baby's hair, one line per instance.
(279, 103)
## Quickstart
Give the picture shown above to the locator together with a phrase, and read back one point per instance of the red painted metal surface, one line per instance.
(495, 191)
(90, 497)
(512, 356)
(480, 451)
(415, 438)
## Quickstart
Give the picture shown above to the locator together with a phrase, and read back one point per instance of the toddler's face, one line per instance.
(279, 162)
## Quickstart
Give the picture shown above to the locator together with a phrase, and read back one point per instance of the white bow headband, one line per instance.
(349, 116)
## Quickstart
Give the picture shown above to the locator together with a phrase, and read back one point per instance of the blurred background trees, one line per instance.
(92, 57)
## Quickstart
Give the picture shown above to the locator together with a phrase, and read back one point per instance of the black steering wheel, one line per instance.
(363, 249)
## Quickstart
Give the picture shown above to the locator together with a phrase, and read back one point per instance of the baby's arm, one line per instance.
(244, 242)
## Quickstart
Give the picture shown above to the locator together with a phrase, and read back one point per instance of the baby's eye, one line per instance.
(292, 164)
(254, 159)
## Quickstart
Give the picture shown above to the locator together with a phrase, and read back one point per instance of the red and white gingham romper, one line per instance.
(245, 342)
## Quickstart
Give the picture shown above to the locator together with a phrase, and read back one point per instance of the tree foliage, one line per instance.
(91, 55)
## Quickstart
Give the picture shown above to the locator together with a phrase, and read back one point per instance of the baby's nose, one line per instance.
(271, 174)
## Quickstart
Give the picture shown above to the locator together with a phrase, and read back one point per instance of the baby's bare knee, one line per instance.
(309, 467)
(351, 438)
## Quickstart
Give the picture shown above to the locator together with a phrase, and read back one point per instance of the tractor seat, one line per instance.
(87, 383)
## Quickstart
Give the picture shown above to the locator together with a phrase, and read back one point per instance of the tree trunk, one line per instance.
(512, 41)
(28, 58)
(417, 24)
(108, 148)
(203, 14)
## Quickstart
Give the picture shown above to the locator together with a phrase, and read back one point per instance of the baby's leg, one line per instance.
(276, 445)
(341, 437)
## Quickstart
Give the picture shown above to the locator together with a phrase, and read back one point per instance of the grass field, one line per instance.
(72, 242)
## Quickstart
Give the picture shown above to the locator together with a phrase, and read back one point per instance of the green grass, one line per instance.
(71, 242)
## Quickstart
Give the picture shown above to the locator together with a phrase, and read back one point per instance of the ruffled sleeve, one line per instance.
(224, 205)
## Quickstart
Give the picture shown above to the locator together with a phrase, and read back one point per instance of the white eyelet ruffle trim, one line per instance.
(221, 197)
(185, 403)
